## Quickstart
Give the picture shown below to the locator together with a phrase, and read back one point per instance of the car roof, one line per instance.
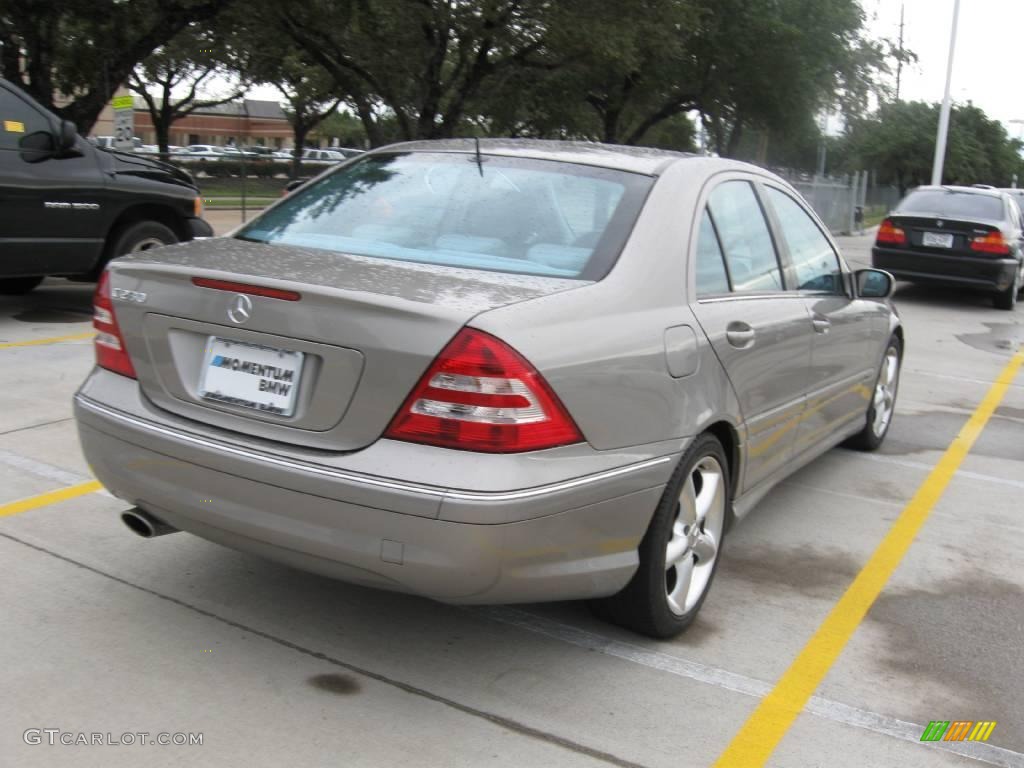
(645, 160)
(984, 191)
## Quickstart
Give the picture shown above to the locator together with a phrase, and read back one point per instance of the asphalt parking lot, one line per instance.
(107, 633)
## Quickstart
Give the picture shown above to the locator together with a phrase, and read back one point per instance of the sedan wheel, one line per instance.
(693, 548)
(680, 551)
(1008, 298)
(883, 400)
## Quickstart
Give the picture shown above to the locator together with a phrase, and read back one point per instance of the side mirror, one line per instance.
(291, 186)
(874, 284)
(37, 146)
(68, 135)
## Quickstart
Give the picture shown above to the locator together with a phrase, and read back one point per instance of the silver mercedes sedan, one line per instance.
(494, 372)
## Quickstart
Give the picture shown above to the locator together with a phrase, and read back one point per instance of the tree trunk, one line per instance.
(299, 132)
(734, 138)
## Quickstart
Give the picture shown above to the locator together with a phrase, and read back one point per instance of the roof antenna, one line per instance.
(479, 160)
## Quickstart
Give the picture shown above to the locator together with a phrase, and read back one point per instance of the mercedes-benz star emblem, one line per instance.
(241, 310)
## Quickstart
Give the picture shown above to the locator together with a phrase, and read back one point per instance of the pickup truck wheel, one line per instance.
(142, 236)
(16, 286)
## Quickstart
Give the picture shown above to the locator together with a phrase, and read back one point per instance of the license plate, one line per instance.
(253, 376)
(937, 240)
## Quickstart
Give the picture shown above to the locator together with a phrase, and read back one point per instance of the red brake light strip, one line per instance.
(252, 290)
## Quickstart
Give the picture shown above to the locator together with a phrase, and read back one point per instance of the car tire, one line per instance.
(18, 286)
(681, 549)
(141, 236)
(882, 407)
(1008, 298)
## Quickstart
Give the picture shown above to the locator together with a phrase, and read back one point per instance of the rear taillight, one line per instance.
(890, 234)
(482, 395)
(110, 351)
(993, 242)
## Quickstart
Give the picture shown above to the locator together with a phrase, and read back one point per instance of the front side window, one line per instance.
(816, 263)
(18, 119)
(745, 238)
(501, 214)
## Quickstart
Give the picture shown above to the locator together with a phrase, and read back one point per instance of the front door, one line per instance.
(845, 351)
(760, 332)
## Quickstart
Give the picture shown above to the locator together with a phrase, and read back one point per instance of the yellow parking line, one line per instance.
(764, 729)
(43, 499)
(50, 340)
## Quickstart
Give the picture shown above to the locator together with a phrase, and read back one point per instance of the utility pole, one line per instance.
(899, 59)
(940, 139)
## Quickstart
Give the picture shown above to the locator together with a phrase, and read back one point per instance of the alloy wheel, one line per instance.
(696, 535)
(885, 392)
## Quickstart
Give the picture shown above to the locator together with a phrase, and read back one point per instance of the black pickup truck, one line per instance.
(68, 207)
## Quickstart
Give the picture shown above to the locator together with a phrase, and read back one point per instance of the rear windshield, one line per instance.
(501, 214)
(951, 204)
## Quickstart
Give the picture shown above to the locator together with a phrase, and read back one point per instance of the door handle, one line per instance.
(740, 335)
(821, 324)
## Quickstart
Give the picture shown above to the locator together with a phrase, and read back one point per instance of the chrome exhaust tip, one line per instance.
(143, 524)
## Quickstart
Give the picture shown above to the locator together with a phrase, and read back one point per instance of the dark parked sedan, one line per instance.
(962, 236)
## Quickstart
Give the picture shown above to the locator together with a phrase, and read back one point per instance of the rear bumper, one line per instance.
(936, 269)
(571, 539)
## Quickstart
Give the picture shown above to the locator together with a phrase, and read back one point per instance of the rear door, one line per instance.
(847, 331)
(760, 331)
(51, 212)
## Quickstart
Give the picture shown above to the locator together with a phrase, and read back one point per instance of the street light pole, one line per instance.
(940, 140)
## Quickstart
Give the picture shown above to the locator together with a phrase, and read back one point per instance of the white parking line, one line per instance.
(44, 470)
(748, 686)
(883, 459)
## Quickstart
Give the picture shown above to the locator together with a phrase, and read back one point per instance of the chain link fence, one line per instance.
(846, 204)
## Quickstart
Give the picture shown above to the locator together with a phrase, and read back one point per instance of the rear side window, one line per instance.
(501, 214)
(711, 275)
(952, 204)
(816, 264)
(18, 119)
(745, 238)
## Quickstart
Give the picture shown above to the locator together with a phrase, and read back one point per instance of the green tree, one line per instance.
(421, 61)
(86, 49)
(898, 142)
(188, 61)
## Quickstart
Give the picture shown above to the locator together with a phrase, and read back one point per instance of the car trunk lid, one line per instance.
(327, 370)
(942, 236)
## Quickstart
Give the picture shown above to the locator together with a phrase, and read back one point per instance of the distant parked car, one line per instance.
(963, 236)
(107, 142)
(321, 156)
(202, 152)
(235, 153)
(261, 152)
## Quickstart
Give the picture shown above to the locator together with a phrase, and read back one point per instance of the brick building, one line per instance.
(245, 122)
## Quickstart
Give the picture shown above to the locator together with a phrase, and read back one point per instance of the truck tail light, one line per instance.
(890, 234)
(110, 351)
(479, 394)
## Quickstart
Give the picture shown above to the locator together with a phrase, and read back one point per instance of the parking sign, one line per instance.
(124, 122)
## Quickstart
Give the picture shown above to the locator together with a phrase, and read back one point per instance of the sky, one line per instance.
(988, 66)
